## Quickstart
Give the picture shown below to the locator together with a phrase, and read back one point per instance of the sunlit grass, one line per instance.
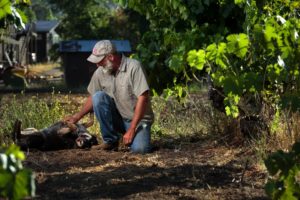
(172, 119)
(174, 122)
(38, 111)
(193, 118)
(40, 68)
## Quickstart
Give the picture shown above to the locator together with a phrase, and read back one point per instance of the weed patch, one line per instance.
(38, 111)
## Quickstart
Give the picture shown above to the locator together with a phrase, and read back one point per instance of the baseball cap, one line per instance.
(100, 50)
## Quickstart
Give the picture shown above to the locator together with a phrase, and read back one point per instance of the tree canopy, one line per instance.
(177, 27)
(262, 61)
(11, 13)
(94, 19)
(249, 48)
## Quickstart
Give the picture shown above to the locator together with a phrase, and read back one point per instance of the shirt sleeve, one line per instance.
(139, 80)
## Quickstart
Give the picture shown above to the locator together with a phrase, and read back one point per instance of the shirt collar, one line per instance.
(123, 64)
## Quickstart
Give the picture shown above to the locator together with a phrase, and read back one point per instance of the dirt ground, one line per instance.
(198, 170)
(183, 169)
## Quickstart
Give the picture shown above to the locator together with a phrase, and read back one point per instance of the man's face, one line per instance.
(106, 64)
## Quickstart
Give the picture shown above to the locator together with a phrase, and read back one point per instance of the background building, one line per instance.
(77, 70)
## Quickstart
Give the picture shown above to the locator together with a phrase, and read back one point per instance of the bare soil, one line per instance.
(201, 169)
(183, 169)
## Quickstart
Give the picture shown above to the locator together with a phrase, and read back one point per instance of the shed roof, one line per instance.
(87, 45)
(45, 26)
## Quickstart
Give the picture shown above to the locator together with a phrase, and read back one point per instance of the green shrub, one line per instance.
(33, 112)
(16, 182)
(38, 111)
(284, 168)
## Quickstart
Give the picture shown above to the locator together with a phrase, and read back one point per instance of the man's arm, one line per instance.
(86, 108)
(139, 112)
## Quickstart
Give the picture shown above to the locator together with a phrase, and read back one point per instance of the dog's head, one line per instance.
(86, 140)
(83, 138)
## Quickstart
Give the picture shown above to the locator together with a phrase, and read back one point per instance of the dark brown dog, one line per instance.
(61, 135)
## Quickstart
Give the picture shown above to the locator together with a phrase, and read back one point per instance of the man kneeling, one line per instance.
(119, 97)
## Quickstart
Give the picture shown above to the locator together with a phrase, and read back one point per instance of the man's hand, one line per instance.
(72, 118)
(138, 115)
(86, 108)
(128, 136)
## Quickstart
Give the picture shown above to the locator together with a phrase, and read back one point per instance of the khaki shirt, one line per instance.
(124, 87)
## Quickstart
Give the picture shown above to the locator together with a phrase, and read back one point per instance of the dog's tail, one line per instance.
(16, 133)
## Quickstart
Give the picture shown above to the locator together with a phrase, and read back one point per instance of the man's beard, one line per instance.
(108, 68)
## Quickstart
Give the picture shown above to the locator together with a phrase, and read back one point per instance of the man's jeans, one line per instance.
(112, 125)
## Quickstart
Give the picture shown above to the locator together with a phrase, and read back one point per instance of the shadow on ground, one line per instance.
(195, 171)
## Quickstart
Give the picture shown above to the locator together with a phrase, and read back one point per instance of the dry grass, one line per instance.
(287, 131)
(42, 67)
(175, 124)
(44, 70)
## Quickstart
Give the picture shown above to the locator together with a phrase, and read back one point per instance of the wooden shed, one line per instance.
(77, 70)
(43, 39)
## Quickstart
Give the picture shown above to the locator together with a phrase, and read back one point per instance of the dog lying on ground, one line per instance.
(60, 135)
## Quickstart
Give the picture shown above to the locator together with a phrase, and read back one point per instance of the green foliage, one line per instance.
(238, 44)
(232, 99)
(82, 20)
(173, 118)
(284, 167)
(42, 10)
(34, 112)
(196, 59)
(175, 28)
(37, 111)
(11, 13)
(16, 182)
(263, 61)
(93, 19)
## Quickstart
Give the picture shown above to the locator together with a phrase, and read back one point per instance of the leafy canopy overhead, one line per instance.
(249, 48)
(16, 182)
(263, 61)
(175, 28)
(11, 13)
(96, 19)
